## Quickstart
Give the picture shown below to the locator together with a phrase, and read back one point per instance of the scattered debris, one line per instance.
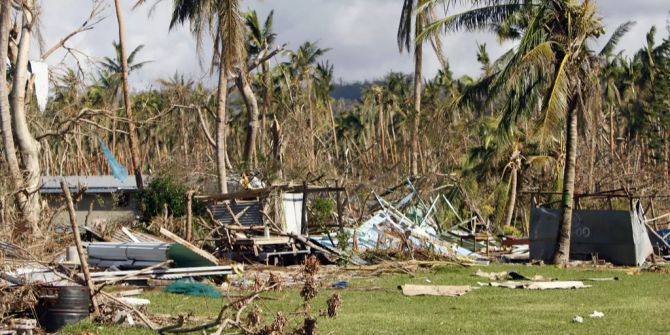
(578, 319)
(434, 290)
(597, 314)
(135, 301)
(554, 285)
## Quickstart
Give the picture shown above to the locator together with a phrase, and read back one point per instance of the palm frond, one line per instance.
(614, 40)
(555, 103)
(477, 19)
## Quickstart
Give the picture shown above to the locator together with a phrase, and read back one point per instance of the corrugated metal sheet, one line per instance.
(252, 216)
(94, 184)
(618, 237)
(119, 236)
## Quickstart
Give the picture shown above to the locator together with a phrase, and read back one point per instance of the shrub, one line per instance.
(165, 190)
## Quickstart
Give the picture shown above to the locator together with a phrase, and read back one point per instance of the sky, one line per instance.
(360, 33)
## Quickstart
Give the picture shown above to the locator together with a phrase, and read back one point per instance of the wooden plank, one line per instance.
(263, 240)
(130, 234)
(189, 246)
(434, 290)
(80, 249)
(557, 285)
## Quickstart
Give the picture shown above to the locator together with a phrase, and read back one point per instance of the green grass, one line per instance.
(632, 305)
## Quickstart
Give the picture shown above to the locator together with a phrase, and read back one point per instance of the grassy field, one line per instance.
(635, 304)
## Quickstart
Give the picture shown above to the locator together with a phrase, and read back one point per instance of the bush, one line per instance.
(165, 190)
(321, 211)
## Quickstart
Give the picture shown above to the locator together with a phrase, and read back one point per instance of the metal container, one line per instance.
(71, 305)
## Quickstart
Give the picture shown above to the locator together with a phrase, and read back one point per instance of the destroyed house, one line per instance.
(108, 199)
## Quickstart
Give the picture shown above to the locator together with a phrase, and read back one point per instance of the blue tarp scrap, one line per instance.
(118, 171)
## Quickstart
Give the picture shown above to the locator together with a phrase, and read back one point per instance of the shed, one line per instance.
(109, 199)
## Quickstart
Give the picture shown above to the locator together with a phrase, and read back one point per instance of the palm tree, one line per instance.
(111, 79)
(415, 16)
(224, 20)
(410, 13)
(552, 68)
(323, 87)
(260, 39)
(112, 68)
(302, 65)
(179, 91)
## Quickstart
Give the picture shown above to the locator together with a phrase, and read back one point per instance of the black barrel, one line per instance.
(71, 306)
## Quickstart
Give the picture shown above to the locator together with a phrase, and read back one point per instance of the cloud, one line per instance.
(361, 33)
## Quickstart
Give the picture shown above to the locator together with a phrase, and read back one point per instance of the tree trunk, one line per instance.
(562, 254)
(509, 216)
(277, 149)
(382, 127)
(184, 133)
(333, 126)
(132, 132)
(29, 147)
(221, 126)
(5, 114)
(418, 64)
(267, 100)
(612, 143)
(249, 155)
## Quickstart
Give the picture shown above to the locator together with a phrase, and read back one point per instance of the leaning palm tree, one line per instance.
(224, 22)
(552, 68)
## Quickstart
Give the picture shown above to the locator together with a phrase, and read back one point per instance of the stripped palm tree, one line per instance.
(261, 37)
(414, 17)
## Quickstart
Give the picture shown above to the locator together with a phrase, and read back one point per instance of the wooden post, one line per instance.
(80, 249)
(340, 219)
(653, 213)
(189, 215)
(305, 228)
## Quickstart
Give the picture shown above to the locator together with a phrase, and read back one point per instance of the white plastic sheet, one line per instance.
(41, 72)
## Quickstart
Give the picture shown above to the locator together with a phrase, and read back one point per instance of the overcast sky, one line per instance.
(361, 34)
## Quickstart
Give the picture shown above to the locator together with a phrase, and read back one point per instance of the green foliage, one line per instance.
(165, 190)
(343, 239)
(321, 211)
(512, 231)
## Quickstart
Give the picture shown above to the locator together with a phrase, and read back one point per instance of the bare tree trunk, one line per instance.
(277, 149)
(5, 114)
(332, 123)
(221, 127)
(514, 176)
(562, 254)
(249, 155)
(612, 143)
(184, 133)
(509, 215)
(267, 100)
(382, 127)
(189, 215)
(29, 147)
(418, 65)
(132, 132)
